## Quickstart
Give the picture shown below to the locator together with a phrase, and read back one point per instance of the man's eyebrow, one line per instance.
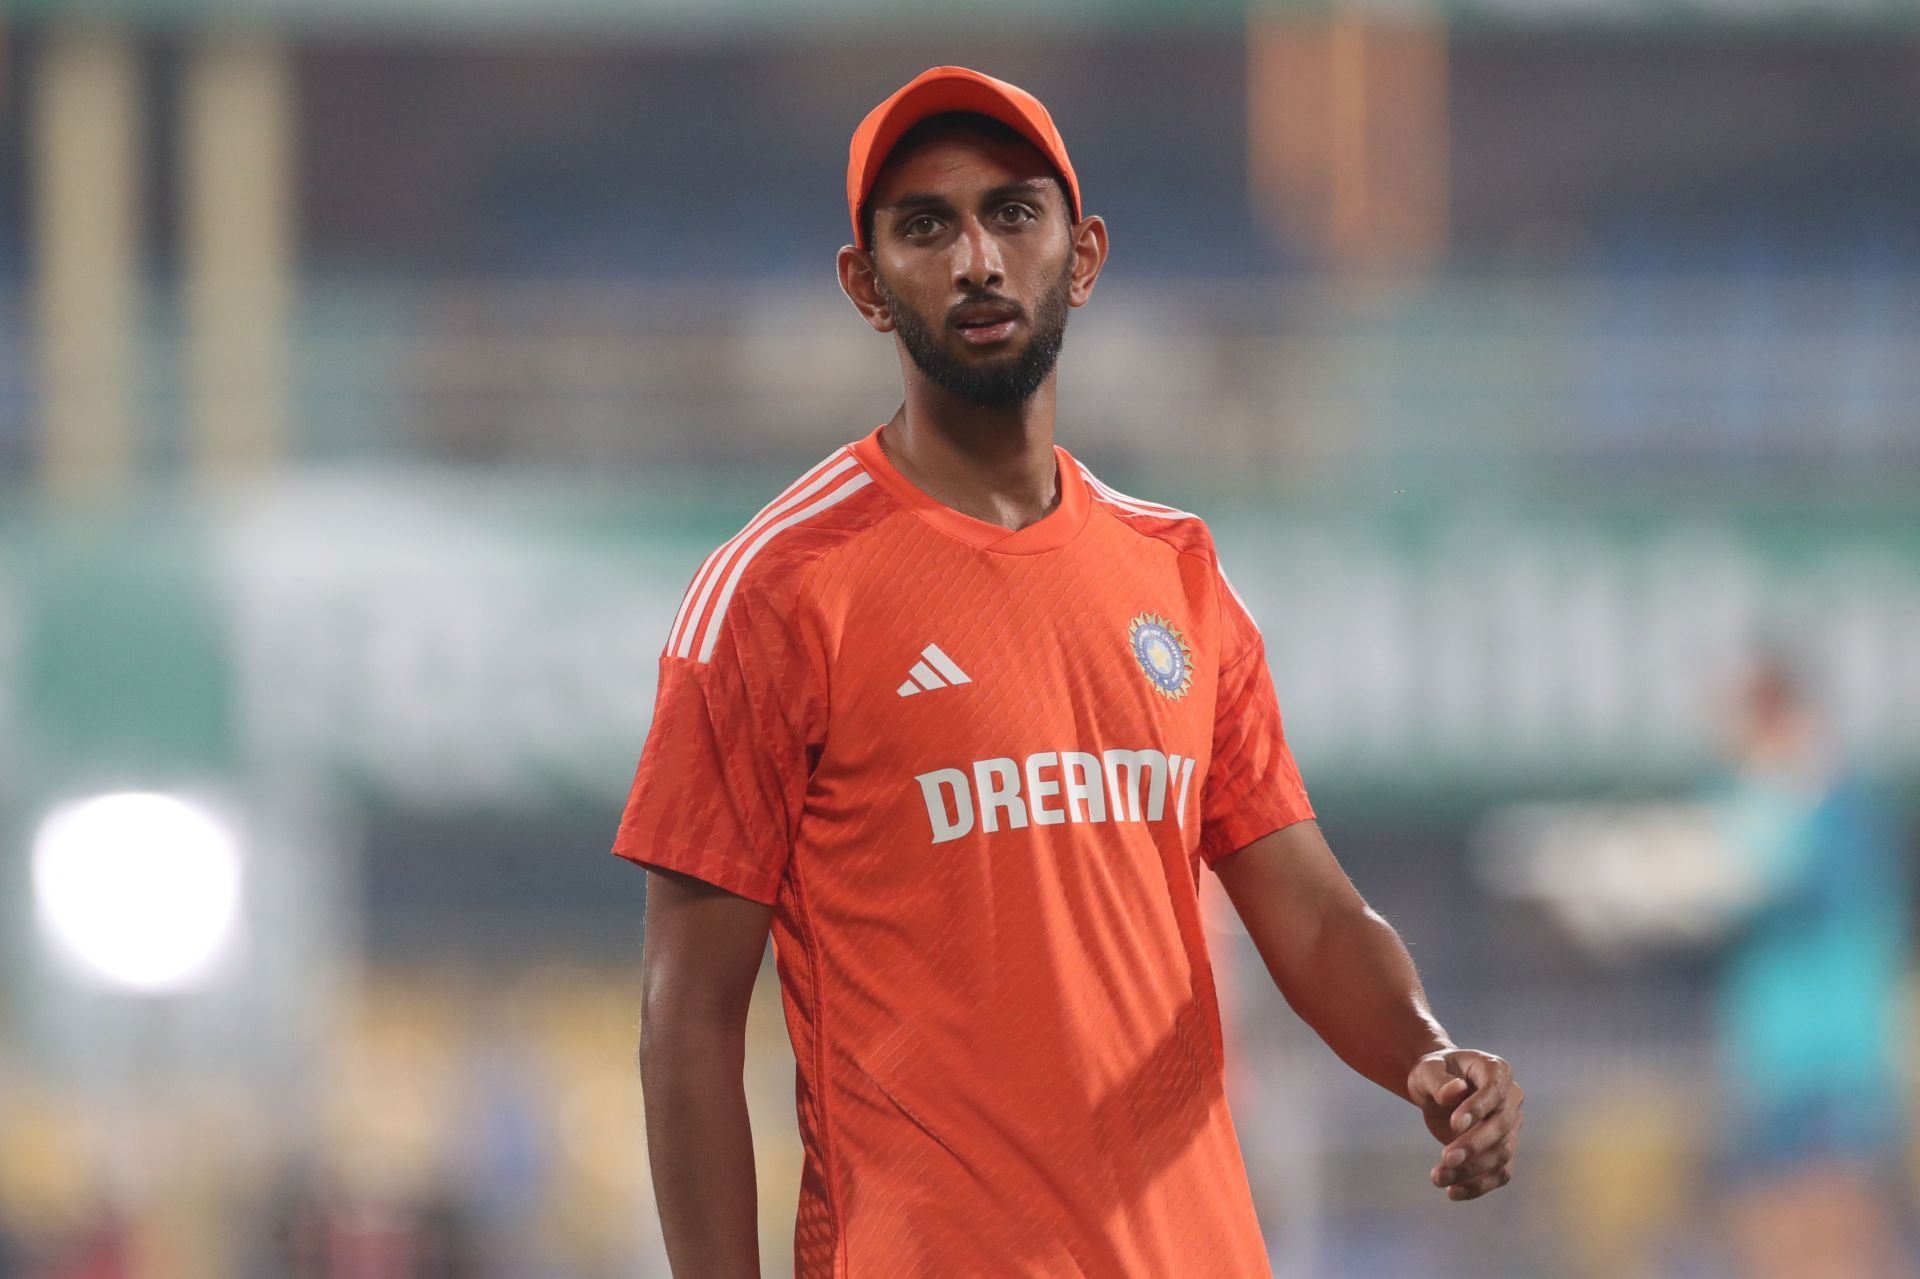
(1025, 186)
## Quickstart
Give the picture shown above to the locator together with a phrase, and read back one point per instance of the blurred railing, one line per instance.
(1462, 380)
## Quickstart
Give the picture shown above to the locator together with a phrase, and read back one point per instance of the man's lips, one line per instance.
(984, 322)
(984, 334)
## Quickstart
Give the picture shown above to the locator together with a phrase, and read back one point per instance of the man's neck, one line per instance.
(993, 465)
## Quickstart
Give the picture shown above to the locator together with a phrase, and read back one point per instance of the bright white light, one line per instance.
(142, 889)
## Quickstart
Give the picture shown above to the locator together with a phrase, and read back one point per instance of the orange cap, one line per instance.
(940, 89)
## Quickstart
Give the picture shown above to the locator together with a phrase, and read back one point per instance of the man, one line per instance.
(1813, 1027)
(961, 725)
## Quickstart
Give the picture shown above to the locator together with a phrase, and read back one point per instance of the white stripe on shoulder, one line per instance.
(703, 582)
(1234, 591)
(1135, 505)
(710, 630)
(701, 588)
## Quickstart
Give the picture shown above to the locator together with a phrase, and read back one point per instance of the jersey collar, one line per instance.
(1054, 529)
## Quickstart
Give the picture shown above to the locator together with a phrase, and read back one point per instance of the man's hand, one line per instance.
(1472, 1106)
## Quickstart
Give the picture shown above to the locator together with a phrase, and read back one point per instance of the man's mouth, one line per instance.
(984, 322)
(982, 333)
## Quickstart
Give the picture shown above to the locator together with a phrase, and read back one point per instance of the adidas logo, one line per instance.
(934, 670)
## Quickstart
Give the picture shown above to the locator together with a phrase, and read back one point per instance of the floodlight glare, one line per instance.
(142, 889)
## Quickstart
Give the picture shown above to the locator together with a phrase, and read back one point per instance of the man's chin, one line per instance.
(987, 392)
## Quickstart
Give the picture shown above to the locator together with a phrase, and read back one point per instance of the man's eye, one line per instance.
(916, 221)
(1021, 208)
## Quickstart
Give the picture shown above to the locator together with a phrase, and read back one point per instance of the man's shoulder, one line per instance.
(759, 571)
(1183, 530)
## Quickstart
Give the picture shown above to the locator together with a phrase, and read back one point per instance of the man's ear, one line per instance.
(858, 282)
(1089, 255)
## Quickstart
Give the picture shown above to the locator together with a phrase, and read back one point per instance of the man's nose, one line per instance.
(977, 261)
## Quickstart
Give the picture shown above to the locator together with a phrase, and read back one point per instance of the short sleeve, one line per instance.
(1253, 787)
(723, 772)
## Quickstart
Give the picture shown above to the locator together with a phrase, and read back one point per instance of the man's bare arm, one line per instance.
(703, 951)
(1344, 969)
(1340, 965)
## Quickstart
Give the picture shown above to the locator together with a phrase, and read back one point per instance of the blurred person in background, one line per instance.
(994, 972)
(1812, 1025)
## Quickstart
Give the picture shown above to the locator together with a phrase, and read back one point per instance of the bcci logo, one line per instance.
(1163, 656)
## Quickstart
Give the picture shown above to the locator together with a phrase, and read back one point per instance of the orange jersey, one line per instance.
(976, 773)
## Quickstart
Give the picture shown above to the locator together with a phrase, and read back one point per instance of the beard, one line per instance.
(991, 382)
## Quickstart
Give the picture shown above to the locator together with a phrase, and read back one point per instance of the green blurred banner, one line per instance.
(445, 647)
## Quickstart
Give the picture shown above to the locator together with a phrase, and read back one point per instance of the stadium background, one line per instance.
(373, 376)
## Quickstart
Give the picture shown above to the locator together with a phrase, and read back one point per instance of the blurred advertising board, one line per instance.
(440, 644)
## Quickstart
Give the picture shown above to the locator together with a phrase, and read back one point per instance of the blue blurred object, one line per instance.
(1811, 1022)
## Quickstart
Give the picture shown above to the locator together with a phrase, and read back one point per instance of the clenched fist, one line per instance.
(1472, 1106)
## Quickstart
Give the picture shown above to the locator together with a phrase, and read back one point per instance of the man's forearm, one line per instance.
(1344, 969)
(700, 1148)
(1355, 984)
